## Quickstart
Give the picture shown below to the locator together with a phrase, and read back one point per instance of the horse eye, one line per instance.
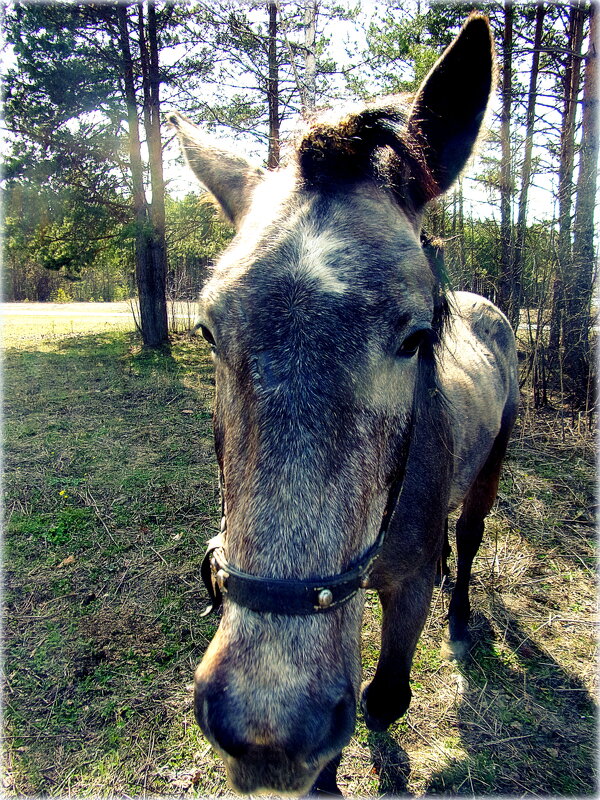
(413, 341)
(208, 335)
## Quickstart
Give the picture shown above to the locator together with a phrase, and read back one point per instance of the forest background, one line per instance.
(97, 208)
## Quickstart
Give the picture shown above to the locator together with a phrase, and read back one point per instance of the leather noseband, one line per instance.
(277, 596)
(289, 596)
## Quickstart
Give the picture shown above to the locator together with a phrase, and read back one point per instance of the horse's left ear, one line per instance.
(449, 107)
(229, 177)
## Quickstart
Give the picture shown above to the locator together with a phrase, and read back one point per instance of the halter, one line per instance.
(290, 596)
(315, 595)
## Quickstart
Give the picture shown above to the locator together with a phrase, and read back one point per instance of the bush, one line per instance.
(61, 296)
(121, 293)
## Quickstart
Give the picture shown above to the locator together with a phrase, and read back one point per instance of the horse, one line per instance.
(358, 401)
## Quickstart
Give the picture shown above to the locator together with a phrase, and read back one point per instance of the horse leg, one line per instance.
(469, 533)
(443, 570)
(405, 609)
(326, 783)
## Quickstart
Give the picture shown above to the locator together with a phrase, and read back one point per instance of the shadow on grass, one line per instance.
(526, 724)
(392, 764)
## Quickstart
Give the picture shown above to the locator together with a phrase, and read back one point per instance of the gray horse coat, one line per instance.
(354, 396)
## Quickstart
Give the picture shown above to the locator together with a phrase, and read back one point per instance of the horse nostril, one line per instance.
(222, 731)
(306, 732)
(217, 723)
(228, 743)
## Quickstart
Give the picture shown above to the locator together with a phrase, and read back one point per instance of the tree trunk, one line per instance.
(273, 89)
(151, 289)
(309, 88)
(157, 183)
(565, 175)
(135, 161)
(460, 230)
(505, 283)
(579, 279)
(517, 266)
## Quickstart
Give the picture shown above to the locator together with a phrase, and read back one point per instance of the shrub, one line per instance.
(61, 296)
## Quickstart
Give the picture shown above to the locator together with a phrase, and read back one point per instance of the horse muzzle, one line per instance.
(265, 770)
(264, 758)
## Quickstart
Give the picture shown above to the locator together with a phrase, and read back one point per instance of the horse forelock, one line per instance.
(373, 143)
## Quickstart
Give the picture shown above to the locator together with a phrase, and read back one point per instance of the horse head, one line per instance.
(323, 316)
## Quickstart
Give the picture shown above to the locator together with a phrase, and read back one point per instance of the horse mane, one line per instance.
(429, 390)
(433, 248)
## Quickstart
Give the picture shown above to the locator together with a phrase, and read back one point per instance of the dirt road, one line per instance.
(66, 310)
(23, 322)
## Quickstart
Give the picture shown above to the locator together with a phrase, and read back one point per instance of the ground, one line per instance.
(110, 496)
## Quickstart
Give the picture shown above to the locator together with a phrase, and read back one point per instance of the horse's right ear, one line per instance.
(449, 107)
(229, 177)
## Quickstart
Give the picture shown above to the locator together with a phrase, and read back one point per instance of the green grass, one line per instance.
(110, 495)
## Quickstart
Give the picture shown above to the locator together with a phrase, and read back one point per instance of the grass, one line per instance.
(110, 495)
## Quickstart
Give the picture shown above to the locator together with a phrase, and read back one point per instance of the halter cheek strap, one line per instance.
(292, 597)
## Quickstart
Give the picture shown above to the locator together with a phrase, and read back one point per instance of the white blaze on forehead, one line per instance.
(314, 251)
(316, 255)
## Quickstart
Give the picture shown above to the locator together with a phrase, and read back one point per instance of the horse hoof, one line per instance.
(378, 716)
(455, 649)
(334, 791)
